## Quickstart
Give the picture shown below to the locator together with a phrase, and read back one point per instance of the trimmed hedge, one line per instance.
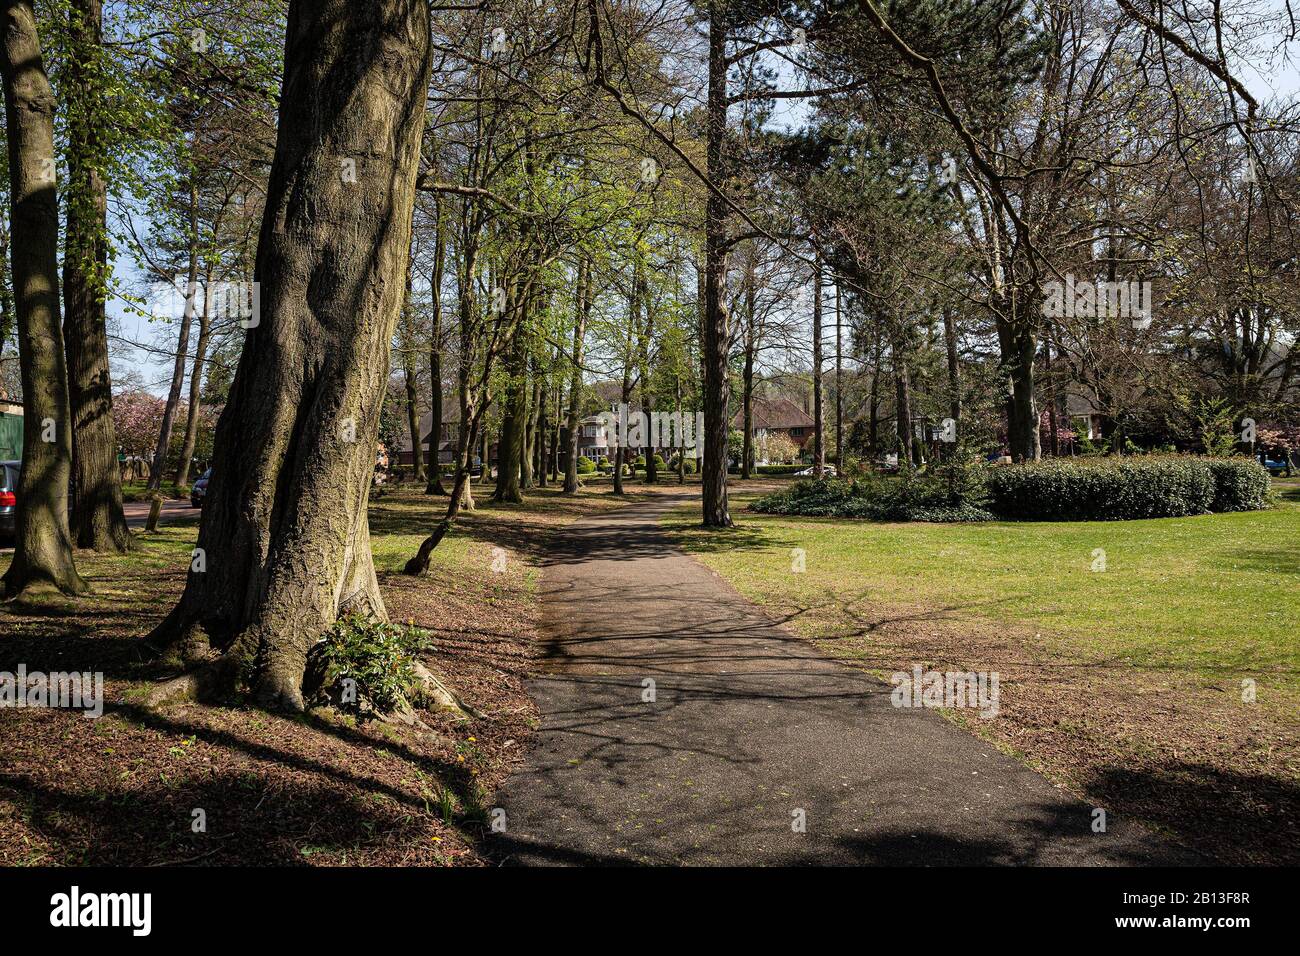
(778, 469)
(915, 500)
(1115, 489)
(1240, 484)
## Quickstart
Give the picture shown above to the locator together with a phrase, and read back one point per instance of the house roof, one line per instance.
(770, 413)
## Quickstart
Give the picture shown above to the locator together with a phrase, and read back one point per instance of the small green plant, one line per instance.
(379, 656)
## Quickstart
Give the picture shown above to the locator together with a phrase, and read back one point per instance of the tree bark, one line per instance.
(182, 350)
(284, 528)
(97, 518)
(511, 445)
(43, 541)
(747, 380)
(196, 384)
(839, 387)
(819, 418)
(902, 401)
(715, 335)
(435, 486)
(581, 310)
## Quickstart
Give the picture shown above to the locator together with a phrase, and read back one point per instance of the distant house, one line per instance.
(11, 430)
(596, 442)
(777, 416)
(448, 435)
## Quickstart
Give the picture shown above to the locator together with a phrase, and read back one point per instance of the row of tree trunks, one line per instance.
(43, 546)
(285, 527)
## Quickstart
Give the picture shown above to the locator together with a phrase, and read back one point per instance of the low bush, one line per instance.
(778, 469)
(908, 499)
(1111, 489)
(1240, 484)
(586, 466)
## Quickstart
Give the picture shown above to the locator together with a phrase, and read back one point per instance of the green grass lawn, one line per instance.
(1217, 595)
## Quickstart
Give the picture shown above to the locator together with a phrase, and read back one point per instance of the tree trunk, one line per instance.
(582, 309)
(284, 529)
(839, 387)
(196, 384)
(182, 350)
(540, 460)
(647, 393)
(819, 418)
(903, 405)
(528, 449)
(434, 485)
(1018, 342)
(715, 335)
(43, 541)
(511, 444)
(747, 387)
(97, 518)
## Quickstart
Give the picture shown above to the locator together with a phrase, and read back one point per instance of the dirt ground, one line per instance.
(196, 784)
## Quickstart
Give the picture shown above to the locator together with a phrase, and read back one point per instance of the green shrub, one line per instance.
(586, 466)
(779, 469)
(908, 499)
(378, 655)
(1103, 489)
(1240, 484)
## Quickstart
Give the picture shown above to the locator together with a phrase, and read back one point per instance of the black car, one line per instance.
(8, 497)
(200, 489)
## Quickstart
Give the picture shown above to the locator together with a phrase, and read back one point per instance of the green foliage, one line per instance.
(586, 466)
(918, 498)
(1110, 489)
(1240, 484)
(378, 655)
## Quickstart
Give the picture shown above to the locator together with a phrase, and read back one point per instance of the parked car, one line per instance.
(8, 497)
(828, 471)
(199, 490)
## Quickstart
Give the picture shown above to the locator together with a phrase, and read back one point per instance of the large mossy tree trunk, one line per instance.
(284, 528)
(97, 518)
(43, 546)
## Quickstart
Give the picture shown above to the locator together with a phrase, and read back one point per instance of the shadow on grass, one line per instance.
(1239, 818)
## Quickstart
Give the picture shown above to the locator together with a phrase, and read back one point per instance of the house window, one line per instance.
(796, 432)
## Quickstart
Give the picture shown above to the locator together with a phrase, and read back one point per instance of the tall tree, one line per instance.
(285, 529)
(97, 518)
(43, 551)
